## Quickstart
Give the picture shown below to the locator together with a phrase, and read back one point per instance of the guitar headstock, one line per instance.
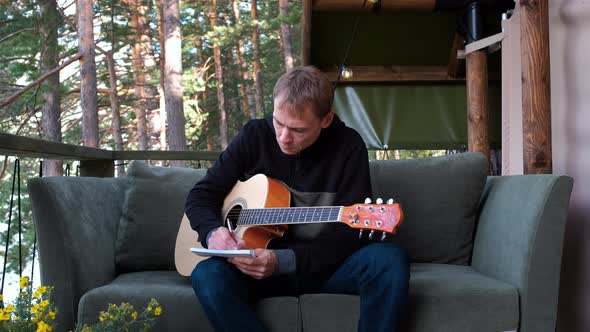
(375, 217)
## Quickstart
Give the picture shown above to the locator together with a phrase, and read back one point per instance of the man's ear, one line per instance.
(327, 120)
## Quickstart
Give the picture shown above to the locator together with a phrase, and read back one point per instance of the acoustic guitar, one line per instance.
(259, 211)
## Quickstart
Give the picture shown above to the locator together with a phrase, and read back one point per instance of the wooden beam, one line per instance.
(13, 145)
(306, 33)
(536, 96)
(477, 103)
(456, 66)
(394, 74)
(386, 5)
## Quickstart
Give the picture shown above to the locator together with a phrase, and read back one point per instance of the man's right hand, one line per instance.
(222, 239)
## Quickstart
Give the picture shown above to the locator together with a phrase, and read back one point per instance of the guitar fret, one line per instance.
(294, 215)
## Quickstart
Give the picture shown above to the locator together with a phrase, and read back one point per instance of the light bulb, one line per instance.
(346, 73)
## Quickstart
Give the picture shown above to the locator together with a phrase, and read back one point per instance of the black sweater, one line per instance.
(332, 171)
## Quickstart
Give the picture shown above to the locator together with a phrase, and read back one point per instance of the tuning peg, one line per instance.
(371, 234)
(383, 236)
(360, 234)
(379, 201)
(367, 200)
(390, 201)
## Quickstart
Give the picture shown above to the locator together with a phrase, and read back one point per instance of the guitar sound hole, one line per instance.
(233, 215)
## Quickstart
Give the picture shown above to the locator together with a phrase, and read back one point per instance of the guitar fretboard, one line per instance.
(295, 215)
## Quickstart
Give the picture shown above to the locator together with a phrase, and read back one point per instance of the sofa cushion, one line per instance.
(181, 310)
(442, 298)
(439, 197)
(152, 211)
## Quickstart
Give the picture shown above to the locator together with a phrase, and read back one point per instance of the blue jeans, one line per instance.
(379, 273)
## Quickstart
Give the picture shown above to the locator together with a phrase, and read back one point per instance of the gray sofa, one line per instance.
(485, 251)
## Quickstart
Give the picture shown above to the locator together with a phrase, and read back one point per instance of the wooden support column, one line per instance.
(477, 102)
(477, 87)
(536, 97)
(306, 33)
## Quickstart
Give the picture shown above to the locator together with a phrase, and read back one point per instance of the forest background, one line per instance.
(134, 75)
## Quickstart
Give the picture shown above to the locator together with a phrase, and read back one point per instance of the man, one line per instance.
(322, 162)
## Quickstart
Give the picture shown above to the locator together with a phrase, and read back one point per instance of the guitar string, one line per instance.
(325, 214)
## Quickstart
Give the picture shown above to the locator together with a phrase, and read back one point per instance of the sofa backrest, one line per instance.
(439, 197)
(152, 210)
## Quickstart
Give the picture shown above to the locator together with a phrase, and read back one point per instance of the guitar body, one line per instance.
(257, 192)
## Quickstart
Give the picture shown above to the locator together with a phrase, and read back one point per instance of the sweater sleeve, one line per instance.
(205, 200)
(322, 255)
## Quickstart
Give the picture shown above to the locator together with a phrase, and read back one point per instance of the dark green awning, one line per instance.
(413, 116)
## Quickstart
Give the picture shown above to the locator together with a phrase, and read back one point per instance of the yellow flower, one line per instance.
(4, 315)
(43, 304)
(1, 297)
(34, 308)
(39, 292)
(24, 282)
(52, 315)
(149, 308)
(134, 315)
(87, 328)
(43, 327)
(9, 308)
(158, 311)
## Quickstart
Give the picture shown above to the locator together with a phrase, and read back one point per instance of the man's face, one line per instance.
(295, 131)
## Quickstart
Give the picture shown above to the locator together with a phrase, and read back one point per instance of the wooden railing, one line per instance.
(93, 161)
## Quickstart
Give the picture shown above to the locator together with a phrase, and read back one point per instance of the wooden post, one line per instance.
(306, 33)
(103, 168)
(477, 87)
(536, 97)
(477, 102)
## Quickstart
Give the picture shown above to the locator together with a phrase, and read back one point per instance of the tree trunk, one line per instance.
(51, 112)
(286, 34)
(88, 98)
(138, 27)
(115, 114)
(149, 60)
(161, 87)
(243, 67)
(204, 96)
(256, 62)
(173, 79)
(219, 78)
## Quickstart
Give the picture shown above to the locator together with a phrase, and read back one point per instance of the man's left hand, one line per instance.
(260, 267)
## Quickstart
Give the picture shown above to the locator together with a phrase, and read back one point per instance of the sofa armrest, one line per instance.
(519, 240)
(76, 223)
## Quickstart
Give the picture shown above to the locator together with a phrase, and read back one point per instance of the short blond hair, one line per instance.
(302, 87)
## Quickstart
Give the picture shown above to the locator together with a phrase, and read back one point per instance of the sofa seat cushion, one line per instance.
(180, 308)
(442, 298)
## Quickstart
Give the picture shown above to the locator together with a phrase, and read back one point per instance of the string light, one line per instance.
(346, 73)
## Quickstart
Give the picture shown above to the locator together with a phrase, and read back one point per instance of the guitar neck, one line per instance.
(295, 215)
